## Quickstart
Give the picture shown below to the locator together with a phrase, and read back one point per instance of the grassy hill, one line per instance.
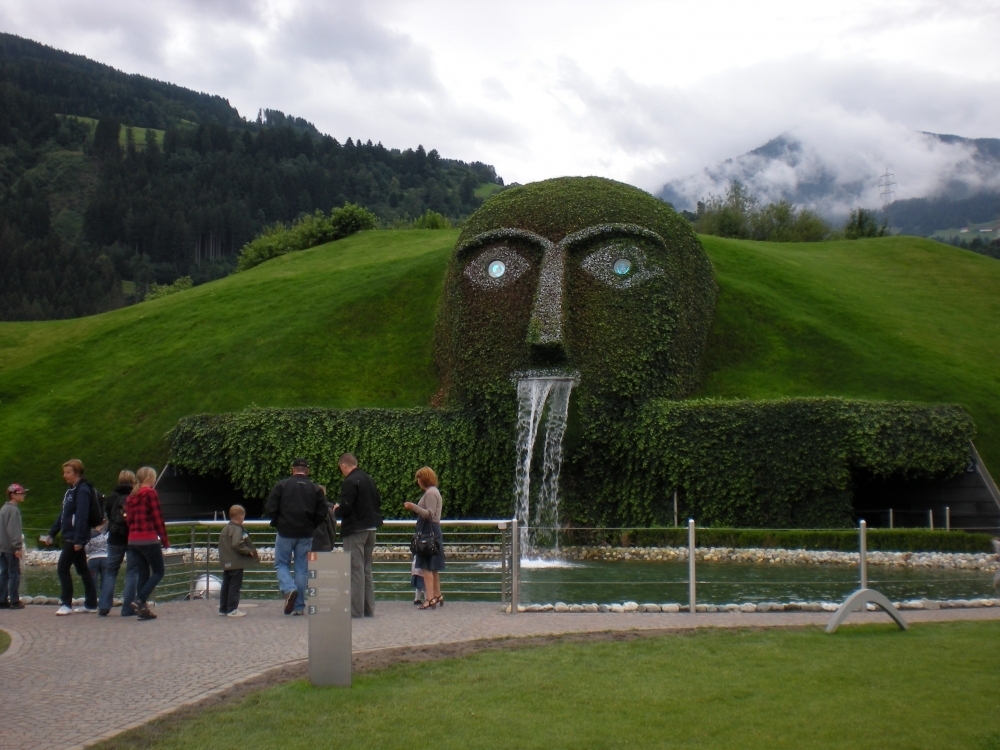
(351, 324)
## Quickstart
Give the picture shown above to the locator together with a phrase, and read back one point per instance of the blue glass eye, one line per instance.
(496, 269)
(622, 267)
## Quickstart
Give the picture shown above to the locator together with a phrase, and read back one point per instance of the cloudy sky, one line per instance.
(644, 92)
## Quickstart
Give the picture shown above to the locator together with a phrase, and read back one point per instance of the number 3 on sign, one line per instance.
(312, 610)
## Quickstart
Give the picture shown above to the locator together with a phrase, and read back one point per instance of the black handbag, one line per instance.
(424, 544)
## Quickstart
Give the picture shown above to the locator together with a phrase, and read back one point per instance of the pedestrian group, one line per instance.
(98, 534)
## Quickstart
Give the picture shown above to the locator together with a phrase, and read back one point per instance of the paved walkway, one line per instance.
(70, 681)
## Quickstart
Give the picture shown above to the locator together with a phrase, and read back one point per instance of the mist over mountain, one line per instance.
(832, 175)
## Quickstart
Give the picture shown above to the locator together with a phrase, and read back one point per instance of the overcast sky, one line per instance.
(643, 92)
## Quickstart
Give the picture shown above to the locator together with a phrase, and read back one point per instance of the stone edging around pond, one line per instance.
(945, 560)
(750, 607)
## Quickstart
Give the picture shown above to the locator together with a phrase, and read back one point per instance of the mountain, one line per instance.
(948, 173)
(108, 177)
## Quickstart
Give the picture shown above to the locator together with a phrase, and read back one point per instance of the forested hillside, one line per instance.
(106, 176)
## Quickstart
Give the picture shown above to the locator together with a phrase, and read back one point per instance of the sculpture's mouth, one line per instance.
(553, 374)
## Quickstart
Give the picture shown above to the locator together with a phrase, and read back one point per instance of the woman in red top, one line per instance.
(146, 534)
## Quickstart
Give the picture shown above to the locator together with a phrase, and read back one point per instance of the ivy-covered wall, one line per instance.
(773, 464)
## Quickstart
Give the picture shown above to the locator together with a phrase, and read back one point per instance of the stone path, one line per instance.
(71, 681)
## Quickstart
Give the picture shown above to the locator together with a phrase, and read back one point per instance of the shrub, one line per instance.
(162, 290)
(309, 231)
(740, 214)
(862, 223)
(431, 220)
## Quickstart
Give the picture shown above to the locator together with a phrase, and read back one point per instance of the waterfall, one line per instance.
(533, 394)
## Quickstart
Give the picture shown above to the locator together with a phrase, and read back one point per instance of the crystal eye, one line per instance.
(496, 269)
(622, 267)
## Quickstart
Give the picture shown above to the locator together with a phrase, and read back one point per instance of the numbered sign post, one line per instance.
(328, 605)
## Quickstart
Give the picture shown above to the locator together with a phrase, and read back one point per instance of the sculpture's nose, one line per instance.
(545, 331)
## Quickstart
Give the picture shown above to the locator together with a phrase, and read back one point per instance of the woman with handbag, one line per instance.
(428, 543)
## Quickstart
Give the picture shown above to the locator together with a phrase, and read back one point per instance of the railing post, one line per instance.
(930, 518)
(891, 524)
(208, 547)
(194, 565)
(863, 557)
(947, 518)
(515, 565)
(676, 523)
(691, 566)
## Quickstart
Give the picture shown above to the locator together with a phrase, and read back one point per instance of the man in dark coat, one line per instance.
(296, 507)
(360, 514)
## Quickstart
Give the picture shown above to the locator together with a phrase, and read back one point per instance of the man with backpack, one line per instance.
(81, 511)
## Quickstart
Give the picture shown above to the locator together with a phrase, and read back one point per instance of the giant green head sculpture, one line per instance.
(578, 275)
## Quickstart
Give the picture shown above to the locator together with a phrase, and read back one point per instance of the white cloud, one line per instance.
(645, 91)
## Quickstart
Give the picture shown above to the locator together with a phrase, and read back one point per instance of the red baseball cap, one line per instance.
(15, 489)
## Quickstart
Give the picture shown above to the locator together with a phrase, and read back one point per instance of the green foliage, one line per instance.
(255, 447)
(156, 291)
(862, 223)
(431, 220)
(309, 231)
(887, 540)
(772, 464)
(483, 332)
(740, 215)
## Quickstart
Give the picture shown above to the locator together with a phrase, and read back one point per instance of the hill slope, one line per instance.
(351, 324)
(347, 324)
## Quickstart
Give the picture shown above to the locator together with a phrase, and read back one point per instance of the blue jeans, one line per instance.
(98, 570)
(147, 562)
(10, 578)
(284, 548)
(116, 553)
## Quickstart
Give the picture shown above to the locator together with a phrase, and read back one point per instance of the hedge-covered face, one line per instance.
(607, 300)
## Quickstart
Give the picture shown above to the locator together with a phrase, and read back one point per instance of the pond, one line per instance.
(609, 582)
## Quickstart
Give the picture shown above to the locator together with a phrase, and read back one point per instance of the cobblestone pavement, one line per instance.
(70, 681)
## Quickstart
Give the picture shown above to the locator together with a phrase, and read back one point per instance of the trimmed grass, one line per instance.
(864, 687)
(138, 134)
(351, 324)
(889, 318)
(343, 325)
(487, 189)
(4, 641)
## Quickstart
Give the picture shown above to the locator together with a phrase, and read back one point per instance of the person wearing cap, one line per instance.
(11, 548)
(296, 506)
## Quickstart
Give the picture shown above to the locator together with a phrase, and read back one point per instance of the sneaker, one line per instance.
(18, 605)
(63, 610)
(222, 614)
(298, 613)
(237, 613)
(145, 614)
(4, 605)
(85, 610)
(290, 602)
(103, 612)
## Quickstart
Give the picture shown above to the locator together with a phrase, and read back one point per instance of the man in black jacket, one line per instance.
(296, 507)
(360, 514)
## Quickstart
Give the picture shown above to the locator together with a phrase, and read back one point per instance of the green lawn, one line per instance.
(487, 189)
(350, 324)
(4, 641)
(138, 134)
(888, 318)
(864, 687)
(343, 325)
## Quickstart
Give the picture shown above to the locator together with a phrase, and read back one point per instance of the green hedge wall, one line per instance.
(254, 448)
(772, 464)
(889, 540)
(769, 464)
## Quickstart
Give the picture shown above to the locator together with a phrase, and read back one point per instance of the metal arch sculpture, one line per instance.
(859, 600)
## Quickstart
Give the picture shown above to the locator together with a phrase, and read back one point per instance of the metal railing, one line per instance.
(481, 555)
